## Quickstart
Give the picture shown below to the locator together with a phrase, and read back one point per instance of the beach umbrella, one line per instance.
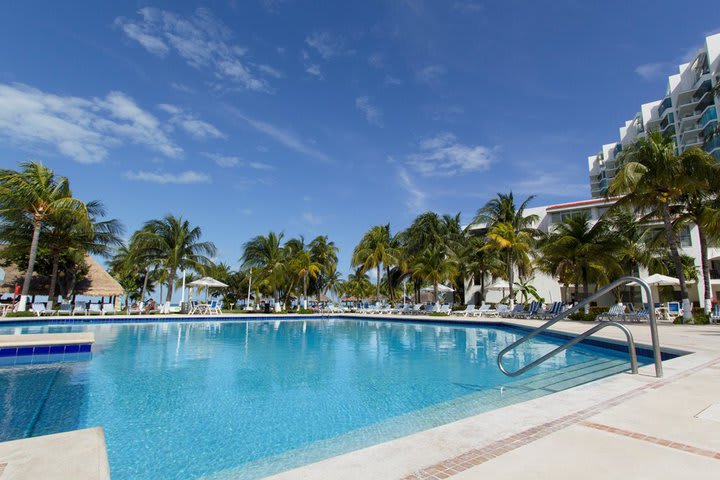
(660, 280)
(208, 283)
(441, 289)
(501, 285)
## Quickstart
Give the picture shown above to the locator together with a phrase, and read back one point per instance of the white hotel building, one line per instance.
(687, 112)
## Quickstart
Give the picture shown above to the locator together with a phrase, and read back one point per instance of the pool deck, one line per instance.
(634, 426)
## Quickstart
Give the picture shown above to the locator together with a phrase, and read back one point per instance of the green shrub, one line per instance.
(437, 314)
(588, 317)
(305, 311)
(20, 314)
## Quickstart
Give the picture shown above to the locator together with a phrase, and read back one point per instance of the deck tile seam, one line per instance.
(478, 456)
(653, 439)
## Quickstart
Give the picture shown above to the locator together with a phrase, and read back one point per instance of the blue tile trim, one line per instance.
(44, 350)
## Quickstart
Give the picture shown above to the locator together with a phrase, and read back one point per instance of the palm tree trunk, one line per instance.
(511, 275)
(482, 287)
(144, 287)
(672, 244)
(171, 281)
(586, 288)
(31, 260)
(435, 292)
(53, 279)
(391, 293)
(377, 290)
(705, 270)
(305, 282)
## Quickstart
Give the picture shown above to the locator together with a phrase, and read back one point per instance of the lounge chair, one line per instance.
(40, 309)
(517, 311)
(637, 316)
(502, 310)
(616, 312)
(674, 311)
(445, 309)
(531, 311)
(551, 312)
(469, 310)
(416, 310)
(94, 309)
(108, 308)
(485, 310)
(80, 307)
(65, 309)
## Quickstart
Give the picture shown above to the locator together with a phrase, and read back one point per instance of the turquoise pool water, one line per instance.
(247, 399)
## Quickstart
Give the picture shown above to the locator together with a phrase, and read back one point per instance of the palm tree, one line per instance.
(509, 231)
(435, 266)
(653, 179)
(265, 255)
(591, 248)
(306, 267)
(701, 207)
(374, 251)
(174, 244)
(517, 247)
(35, 192)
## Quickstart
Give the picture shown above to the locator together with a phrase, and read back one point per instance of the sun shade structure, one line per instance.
(441, 289)
(97, 282)
(207, 282)
(499, 285)
(659, 280)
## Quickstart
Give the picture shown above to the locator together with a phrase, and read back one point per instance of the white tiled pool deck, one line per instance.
(631, 426)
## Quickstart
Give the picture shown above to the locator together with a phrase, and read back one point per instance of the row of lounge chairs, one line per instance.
(79, 308)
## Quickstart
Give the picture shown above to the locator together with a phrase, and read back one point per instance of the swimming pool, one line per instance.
(247, 399)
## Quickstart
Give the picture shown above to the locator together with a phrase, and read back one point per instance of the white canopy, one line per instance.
(207, 282)
(659, 280)
(441, 289)
(499, 284)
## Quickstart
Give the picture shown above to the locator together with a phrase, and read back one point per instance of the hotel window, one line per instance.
(684, 237)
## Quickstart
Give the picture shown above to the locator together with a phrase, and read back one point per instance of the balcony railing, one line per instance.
(666, 103)
(710, 114)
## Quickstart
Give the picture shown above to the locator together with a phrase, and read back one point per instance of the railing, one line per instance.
(631, 343)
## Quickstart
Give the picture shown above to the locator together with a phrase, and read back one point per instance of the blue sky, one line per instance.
(327, 117)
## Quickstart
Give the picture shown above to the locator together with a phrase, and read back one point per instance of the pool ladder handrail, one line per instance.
(631, 343)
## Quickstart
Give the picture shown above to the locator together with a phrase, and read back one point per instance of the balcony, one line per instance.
(666, 103)
(713, 144)
(710, 114)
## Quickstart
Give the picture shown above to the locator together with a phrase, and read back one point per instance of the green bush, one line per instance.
(305, 311)
(588, 317)
(20, 314)
(437, 314)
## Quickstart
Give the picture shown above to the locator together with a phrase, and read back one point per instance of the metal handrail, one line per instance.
(631, 343)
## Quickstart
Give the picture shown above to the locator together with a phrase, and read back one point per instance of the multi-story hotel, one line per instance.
(687, 112)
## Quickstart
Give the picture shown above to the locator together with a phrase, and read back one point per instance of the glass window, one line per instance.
(684, 237)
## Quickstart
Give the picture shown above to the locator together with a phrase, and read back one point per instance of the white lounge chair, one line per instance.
(616, 312)
(80, 307)
(445, 309)
(65, 309)
(469, 310)
(485, 310)
(94, 309)
(40, 309)
(108, 308)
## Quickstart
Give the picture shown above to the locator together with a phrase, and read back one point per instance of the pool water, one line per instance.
(248, 399)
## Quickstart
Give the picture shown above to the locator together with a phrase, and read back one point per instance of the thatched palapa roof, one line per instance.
(97, 282)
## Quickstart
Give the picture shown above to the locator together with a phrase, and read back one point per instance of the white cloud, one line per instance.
(181, 87)
(273, 72)
(311, 218)
(326, 44)
(547, 184)
(431, 74)
(314, 70)
(260, 166)
(652, 71)
(192, 125)
(79, 128)
(225, 161)
(443, 155)
(284, 137)
(416, 197)
(182, 178)
(376, 60)
(200, 39)
(229, 161)
(390, 80)
(372, 113)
